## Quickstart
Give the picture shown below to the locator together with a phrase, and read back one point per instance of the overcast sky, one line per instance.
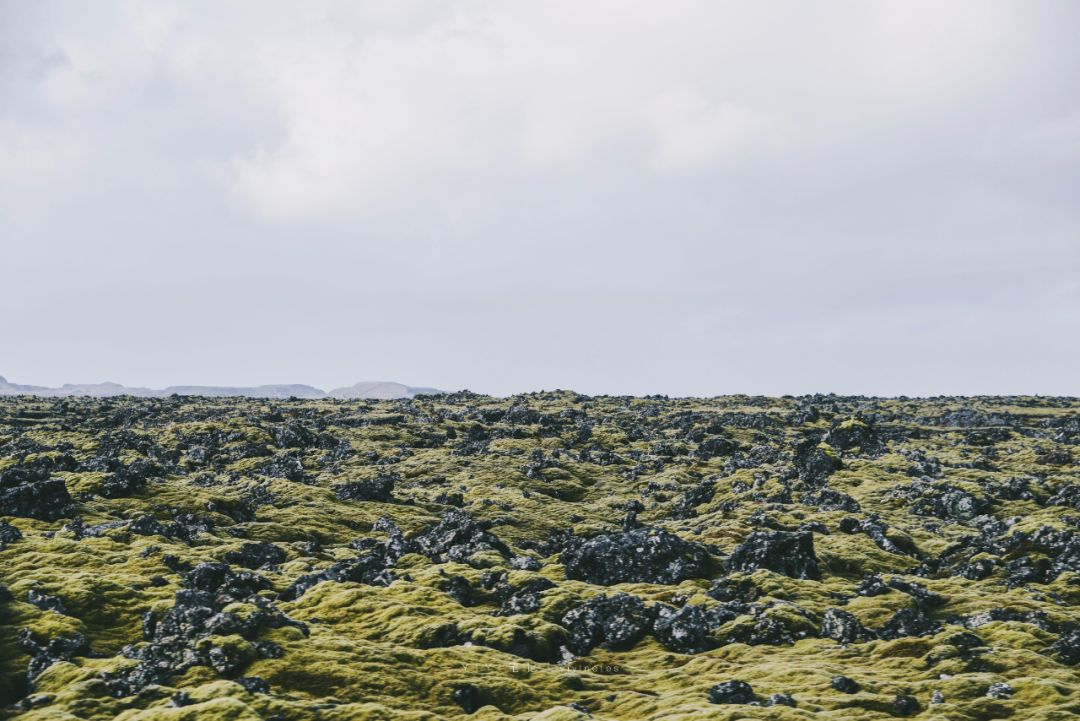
(690, 198)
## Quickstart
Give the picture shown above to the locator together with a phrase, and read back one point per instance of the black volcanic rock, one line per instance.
(961, 583)
(617, 622)
(1067, 647)
(8, 534)
(380, 488)
(789, 553)
(256, 555)
(287, 465)
(458, 536)
(732, 692)
(685, 630)
(815, 462)
(30, 492)
(44, 601)
(642, 555)
(45, 652)
(909, 622)
(130, 479)
(843, 627)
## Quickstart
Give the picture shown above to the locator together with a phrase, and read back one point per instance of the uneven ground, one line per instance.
(548, 556)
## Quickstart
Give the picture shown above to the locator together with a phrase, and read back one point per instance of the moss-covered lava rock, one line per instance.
(547, 556)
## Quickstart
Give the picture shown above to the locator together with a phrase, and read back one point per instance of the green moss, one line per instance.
(401, 651)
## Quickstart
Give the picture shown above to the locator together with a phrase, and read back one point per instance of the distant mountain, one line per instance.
(99, 390)
(14, 389)
(372, 390)
(272, 391)
(382, 390)
(96, 390)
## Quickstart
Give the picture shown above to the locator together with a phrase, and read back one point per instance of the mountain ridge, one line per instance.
(369, 390)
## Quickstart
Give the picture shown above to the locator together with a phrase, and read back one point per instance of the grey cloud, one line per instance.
(686, 198)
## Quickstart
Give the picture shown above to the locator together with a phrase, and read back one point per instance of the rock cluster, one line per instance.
(30, 491)
(198, 631)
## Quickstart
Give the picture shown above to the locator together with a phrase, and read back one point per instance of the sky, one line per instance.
(678, 197)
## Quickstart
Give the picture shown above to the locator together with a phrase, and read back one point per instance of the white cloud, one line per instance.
(693, 133)
(667, 182)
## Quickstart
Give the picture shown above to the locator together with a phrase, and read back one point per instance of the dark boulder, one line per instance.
(781, 699)
(285, 465)
(525, 599)
(45, 653)
(131, 479)
(616, 622)
(905, 705)
(855, 433)
(815, 462)
(294, 435)
(8, 534)
(371, 567)
(467, 697)
(871, 586)
(924, 598)
(459, 589)
(988, 436)
(242, 451)
(789, 553)
(732, 692)
(1067, 495)
(148, 526)
(950, 504)
(254, 684)
(733, 590)
(921, 464)
(827, 499)
(764, 631)
(30, 492)
(456, 537)
(556, 542)
(222, 582)
(380, 488)
(630, 520)
(909, 622)
(715, 446)
(876, 529)
(337, 451)
(1067, 647)
(525, 563)
(256, 555)
(684, 630)
(238, 510)
(1040, 556)
(843, 627)
(44, 601)
(642, 555)
(686, 506)
(977, 569)
(455, 499)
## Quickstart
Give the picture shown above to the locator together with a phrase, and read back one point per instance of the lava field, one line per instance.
(546, 556)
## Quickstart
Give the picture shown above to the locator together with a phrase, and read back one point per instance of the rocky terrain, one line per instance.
(547, 556)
